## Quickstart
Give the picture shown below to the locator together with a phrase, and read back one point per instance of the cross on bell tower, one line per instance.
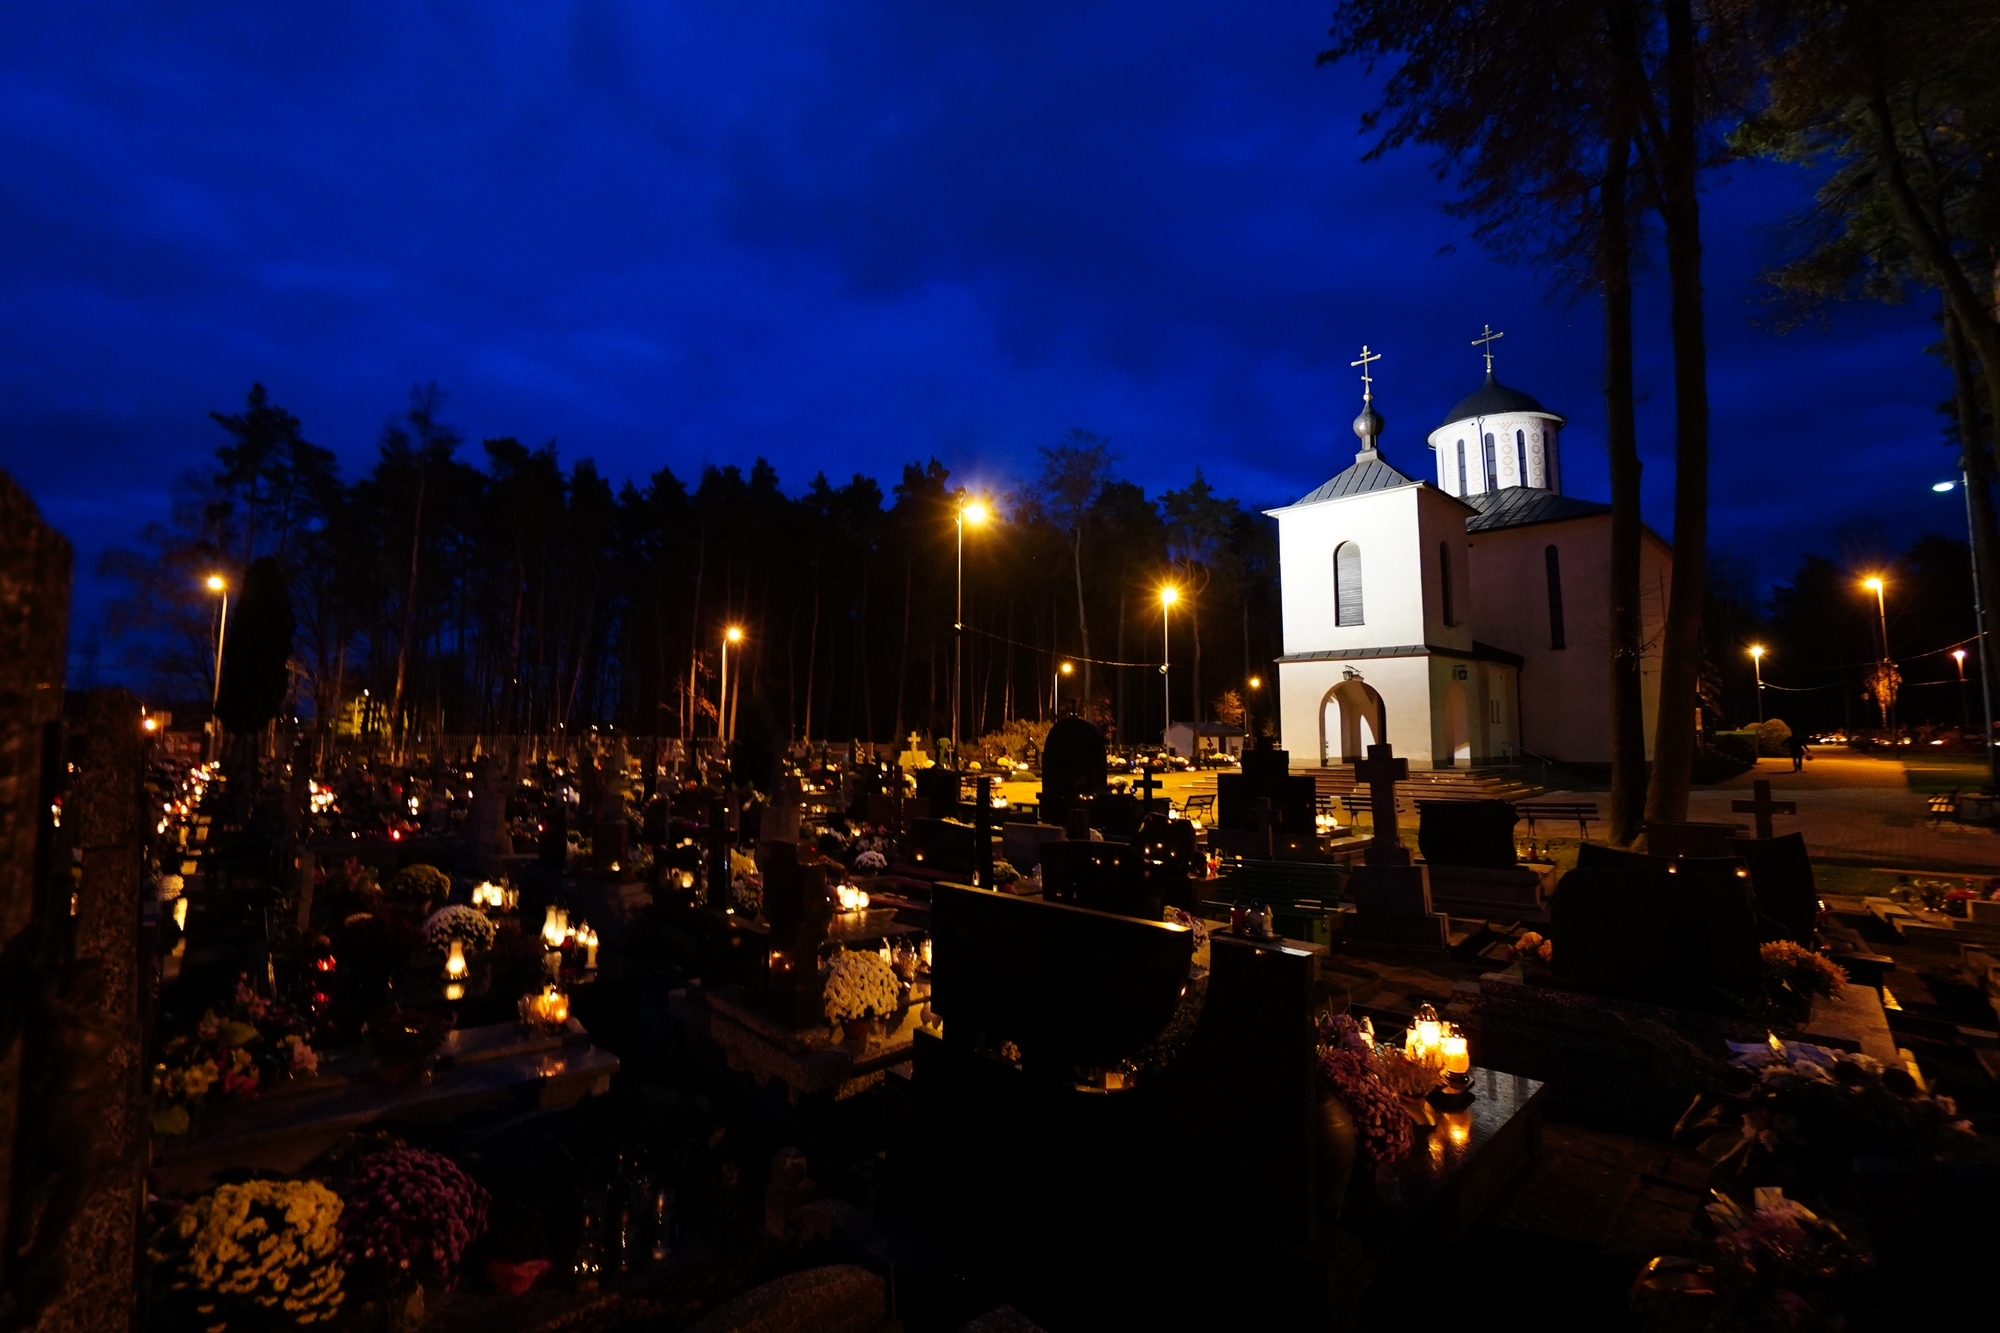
(1369, 425)
(1486, 340)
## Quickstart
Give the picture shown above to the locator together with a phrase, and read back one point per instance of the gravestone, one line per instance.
(108, 844)
(1762, 807)
(1697, 839)
(781, 821)
(1072, 767)
(1680, 936)
(1102, 876)
(35, 565)
(1781, 875)
(1467, 833)
(1021, 844)
(1469, 847)
(798, 909)
(488, 839)
(1266, 795)
(1392, 897)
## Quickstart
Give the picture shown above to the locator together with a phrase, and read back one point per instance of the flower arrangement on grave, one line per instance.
(420, 884)
(746, 895)
(467, 926)
(260, 1254)
(870, 862)
(1198, 958)
(1799, 974)
(410, 1215)
(860, 984)
(1348, 1070)
(1534, 947)
(1005, 876)
(350, 886)
(1799, 1109)
(1775, 1264)
(376, 943)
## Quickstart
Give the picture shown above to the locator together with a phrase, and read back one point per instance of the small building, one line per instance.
(1190, 740)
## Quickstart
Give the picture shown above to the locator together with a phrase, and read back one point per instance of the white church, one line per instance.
(1459, 618)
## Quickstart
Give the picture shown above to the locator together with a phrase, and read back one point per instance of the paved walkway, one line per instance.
(1851, 807)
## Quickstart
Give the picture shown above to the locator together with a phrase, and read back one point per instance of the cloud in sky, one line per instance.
(839, 235)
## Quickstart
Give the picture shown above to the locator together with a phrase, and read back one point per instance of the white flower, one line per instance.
(459, 922)
(860, 985)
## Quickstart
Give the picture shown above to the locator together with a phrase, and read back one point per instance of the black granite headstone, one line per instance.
(1787, 898)
(1467, 833)
(1683, 935)
(1072, 767)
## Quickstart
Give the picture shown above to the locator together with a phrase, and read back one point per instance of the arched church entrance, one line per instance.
(1458, 725)
(1351, 718)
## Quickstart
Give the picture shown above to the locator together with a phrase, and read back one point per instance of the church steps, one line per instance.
(1502, 784)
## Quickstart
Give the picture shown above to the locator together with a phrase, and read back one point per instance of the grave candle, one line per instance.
(1457, 1060)
(552, 931)
(454, 962)
(588, 939)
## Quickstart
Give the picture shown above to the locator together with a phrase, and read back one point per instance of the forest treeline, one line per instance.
(492, 588)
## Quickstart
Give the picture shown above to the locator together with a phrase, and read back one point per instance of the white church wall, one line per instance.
(1403, 682)
(1441, 523)
(1381, 523)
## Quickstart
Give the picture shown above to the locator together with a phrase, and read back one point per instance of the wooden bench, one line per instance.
(1201, 806)
(1944, 807)
(1357, 805)
(1583, 812)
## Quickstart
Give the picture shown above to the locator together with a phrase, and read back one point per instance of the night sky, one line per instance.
(842, 236)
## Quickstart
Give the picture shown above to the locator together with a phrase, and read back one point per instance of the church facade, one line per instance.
(1459, 619)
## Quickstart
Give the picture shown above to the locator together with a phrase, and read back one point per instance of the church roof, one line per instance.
(1369, 473)
(1521, 506)
(1491, 399)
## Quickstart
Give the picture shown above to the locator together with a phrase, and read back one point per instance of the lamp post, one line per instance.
(1168, 596)
(216, 583)
(734, 634)
(1249, 712)
(1757, 665)
(1055, 692)
(1874, 584)
(1964, 482)
(1964, 708)
(975, 513)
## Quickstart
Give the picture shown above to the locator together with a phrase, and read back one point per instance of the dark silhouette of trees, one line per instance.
(526, 595)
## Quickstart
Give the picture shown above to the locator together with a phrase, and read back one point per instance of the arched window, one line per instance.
(1444, 582)
(1461, 467)
(1486, 482)
(1521, 454)
(1554, 563)
(1347, 584)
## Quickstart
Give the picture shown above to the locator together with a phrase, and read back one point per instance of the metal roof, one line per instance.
(1520, 506)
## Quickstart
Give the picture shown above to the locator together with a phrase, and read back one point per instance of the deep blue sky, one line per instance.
(842, 235)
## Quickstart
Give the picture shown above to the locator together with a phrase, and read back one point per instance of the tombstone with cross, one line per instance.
(1392, 897)
(1763, 807)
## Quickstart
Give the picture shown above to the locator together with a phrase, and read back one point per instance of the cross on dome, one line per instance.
(1367, 381)
(1486, 340)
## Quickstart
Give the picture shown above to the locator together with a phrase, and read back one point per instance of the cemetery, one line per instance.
(736, 669)
(607, 1033)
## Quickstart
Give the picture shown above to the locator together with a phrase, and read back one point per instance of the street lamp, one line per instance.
(1249, 713)
(1757, 665)
(1979, 624)
(1874, 584)
(1168, 596)
(216, 583)
(1055, 695)
(1964, 709)
(734, 634)
(975, 513)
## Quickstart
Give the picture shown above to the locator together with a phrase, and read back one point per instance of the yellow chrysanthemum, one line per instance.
(263, 1245)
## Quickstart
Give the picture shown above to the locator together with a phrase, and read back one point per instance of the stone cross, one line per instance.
(1763, 807)
(1146, 787)
(1382, 770)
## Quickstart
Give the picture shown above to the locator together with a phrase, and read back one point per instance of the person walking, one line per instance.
(1795, 745)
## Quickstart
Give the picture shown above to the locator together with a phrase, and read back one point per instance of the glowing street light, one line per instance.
(1757, 665)
(974, 512)
(1965, 707)
(725, 733)
(1168, 596)
(217, 584)
(1055, 695)
(1874, 584)
(1979, 621)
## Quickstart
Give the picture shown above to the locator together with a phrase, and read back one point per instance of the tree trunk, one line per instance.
(409, 609)
(1614, 256)
(1680, 213)
(1978, 466)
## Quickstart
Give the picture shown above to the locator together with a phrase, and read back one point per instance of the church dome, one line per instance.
(1491, 399)
(1369, 425)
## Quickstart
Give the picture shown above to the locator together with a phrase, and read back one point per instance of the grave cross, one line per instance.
(1382, 770)
(1763, 807)
(1146, 787)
